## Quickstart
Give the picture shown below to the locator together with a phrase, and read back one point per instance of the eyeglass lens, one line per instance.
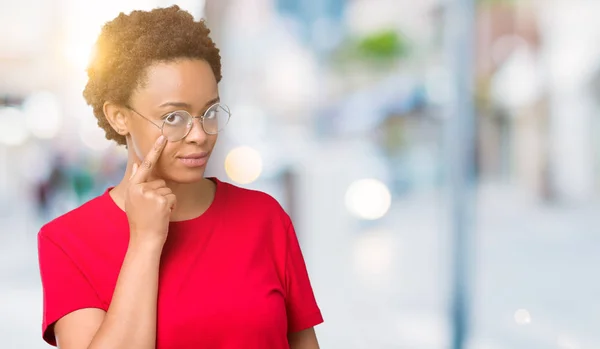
(178, 124)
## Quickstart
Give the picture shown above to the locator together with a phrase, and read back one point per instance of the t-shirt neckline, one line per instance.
(219, 192)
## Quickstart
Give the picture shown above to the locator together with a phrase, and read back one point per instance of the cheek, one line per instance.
(212, 140)
(140, 148)
(168, 154)
(142, 143)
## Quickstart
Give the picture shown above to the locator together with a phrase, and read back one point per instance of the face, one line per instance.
(185, 84)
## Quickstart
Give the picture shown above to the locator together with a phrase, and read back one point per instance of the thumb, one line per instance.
(133, 170)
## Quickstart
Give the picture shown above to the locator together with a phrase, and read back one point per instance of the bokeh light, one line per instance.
(368, 199)
(243, 165)
(43, 115)
(13, 131)
(522, 317)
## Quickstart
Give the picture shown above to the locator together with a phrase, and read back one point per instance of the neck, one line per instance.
(192, 198)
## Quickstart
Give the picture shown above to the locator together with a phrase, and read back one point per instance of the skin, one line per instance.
(156, 188)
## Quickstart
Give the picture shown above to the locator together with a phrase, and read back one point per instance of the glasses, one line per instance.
(178, 124)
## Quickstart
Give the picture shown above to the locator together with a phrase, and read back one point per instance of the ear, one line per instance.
(116, 116)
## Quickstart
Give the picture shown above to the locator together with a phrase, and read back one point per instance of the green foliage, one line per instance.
(382, 45)
(385, 46)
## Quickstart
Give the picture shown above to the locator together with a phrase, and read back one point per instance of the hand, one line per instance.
(148, 204)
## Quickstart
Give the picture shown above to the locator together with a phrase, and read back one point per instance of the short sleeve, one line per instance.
(302, 309)
(65, 287)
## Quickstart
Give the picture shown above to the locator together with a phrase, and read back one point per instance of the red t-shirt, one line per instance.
(232, 278)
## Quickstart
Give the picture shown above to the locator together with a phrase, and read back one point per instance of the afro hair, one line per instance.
(129, 44)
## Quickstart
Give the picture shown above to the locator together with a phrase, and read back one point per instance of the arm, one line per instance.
(305, 339)
(131, 318)
(130, 322)
(301, 306)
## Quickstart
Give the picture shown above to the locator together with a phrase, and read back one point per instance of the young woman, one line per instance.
(169, 259)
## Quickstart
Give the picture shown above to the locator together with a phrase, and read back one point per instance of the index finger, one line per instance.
(145, 168)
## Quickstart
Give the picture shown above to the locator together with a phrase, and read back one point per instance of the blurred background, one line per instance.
(440, 158)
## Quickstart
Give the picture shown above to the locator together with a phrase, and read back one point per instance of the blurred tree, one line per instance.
(384, 45)
(380, 48)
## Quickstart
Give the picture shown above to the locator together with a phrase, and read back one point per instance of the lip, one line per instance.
(194, 156)
(194, 160)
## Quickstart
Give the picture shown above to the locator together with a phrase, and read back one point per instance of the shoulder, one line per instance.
(73, 221)
(253, 205)
(238, 193)
(251, 199)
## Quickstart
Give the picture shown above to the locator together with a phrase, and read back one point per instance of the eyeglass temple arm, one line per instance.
(150, 121)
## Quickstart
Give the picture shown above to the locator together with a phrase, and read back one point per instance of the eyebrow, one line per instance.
(186, 105)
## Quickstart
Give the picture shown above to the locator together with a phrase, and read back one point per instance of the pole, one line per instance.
(460, 137)
(215, 12)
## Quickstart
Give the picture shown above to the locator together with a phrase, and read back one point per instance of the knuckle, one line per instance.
(147, 164)
(146, 191)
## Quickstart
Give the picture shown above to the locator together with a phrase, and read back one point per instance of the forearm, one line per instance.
(130, 321)
(306, 339)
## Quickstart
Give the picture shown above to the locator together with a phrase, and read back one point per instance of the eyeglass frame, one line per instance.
(190, 122)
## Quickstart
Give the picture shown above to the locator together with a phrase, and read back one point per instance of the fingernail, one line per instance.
(161, 139)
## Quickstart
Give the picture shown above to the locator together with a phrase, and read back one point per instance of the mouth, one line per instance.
(194, 160)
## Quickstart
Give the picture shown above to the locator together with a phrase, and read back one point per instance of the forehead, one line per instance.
(185, 80)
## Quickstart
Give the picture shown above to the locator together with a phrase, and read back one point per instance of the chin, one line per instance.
(185, 178)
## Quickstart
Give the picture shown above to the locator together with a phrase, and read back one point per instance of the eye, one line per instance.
(212, 113)
(175, 118)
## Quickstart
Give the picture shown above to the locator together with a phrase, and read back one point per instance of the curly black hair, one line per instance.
(129, 44)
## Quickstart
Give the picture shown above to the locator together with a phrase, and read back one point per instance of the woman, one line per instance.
(168, 258)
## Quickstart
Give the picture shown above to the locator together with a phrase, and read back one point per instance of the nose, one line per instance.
(197, 134)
